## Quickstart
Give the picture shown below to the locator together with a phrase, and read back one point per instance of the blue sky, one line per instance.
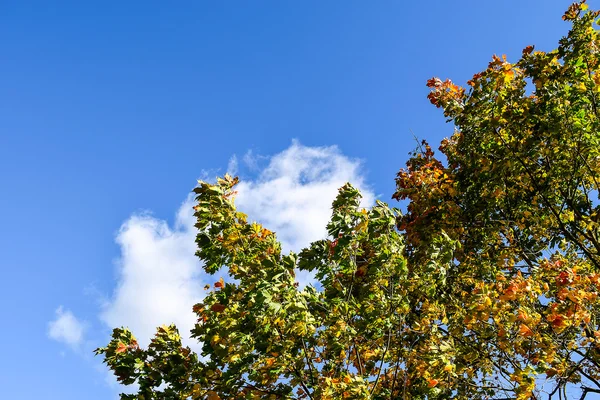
(110, 111)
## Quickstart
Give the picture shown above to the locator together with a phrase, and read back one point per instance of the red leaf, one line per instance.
(217, 307)
(527, 50)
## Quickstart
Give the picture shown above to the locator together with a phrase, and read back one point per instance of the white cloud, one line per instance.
(159, 277)
(66, 328)
(293, 194)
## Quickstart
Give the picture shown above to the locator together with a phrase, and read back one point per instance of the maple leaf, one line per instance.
(217, 307)
(121, 348)
(525, 331)
(432, 383)
(527, 50)
(220, 283)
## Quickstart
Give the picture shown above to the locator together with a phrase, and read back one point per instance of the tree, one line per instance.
(486, 287)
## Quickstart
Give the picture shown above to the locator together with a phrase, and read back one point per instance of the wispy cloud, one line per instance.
(232, 165)
(66, 328)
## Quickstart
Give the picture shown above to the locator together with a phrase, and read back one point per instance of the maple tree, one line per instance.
(487, 286)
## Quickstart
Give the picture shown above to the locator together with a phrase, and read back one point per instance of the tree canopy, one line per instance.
(486, 286)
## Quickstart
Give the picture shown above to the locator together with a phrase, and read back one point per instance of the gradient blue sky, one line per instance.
(109, 108)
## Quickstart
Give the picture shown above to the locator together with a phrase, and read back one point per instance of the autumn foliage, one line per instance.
(485, 287)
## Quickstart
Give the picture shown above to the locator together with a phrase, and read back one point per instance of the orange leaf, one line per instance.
(557, 321)
(525, 331)
(510, 293)
(432, 383)
(121, 348)
(220, 283)
(197, 308)
(211, 395)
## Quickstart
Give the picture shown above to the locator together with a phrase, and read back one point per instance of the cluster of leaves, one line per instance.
(487, 287)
